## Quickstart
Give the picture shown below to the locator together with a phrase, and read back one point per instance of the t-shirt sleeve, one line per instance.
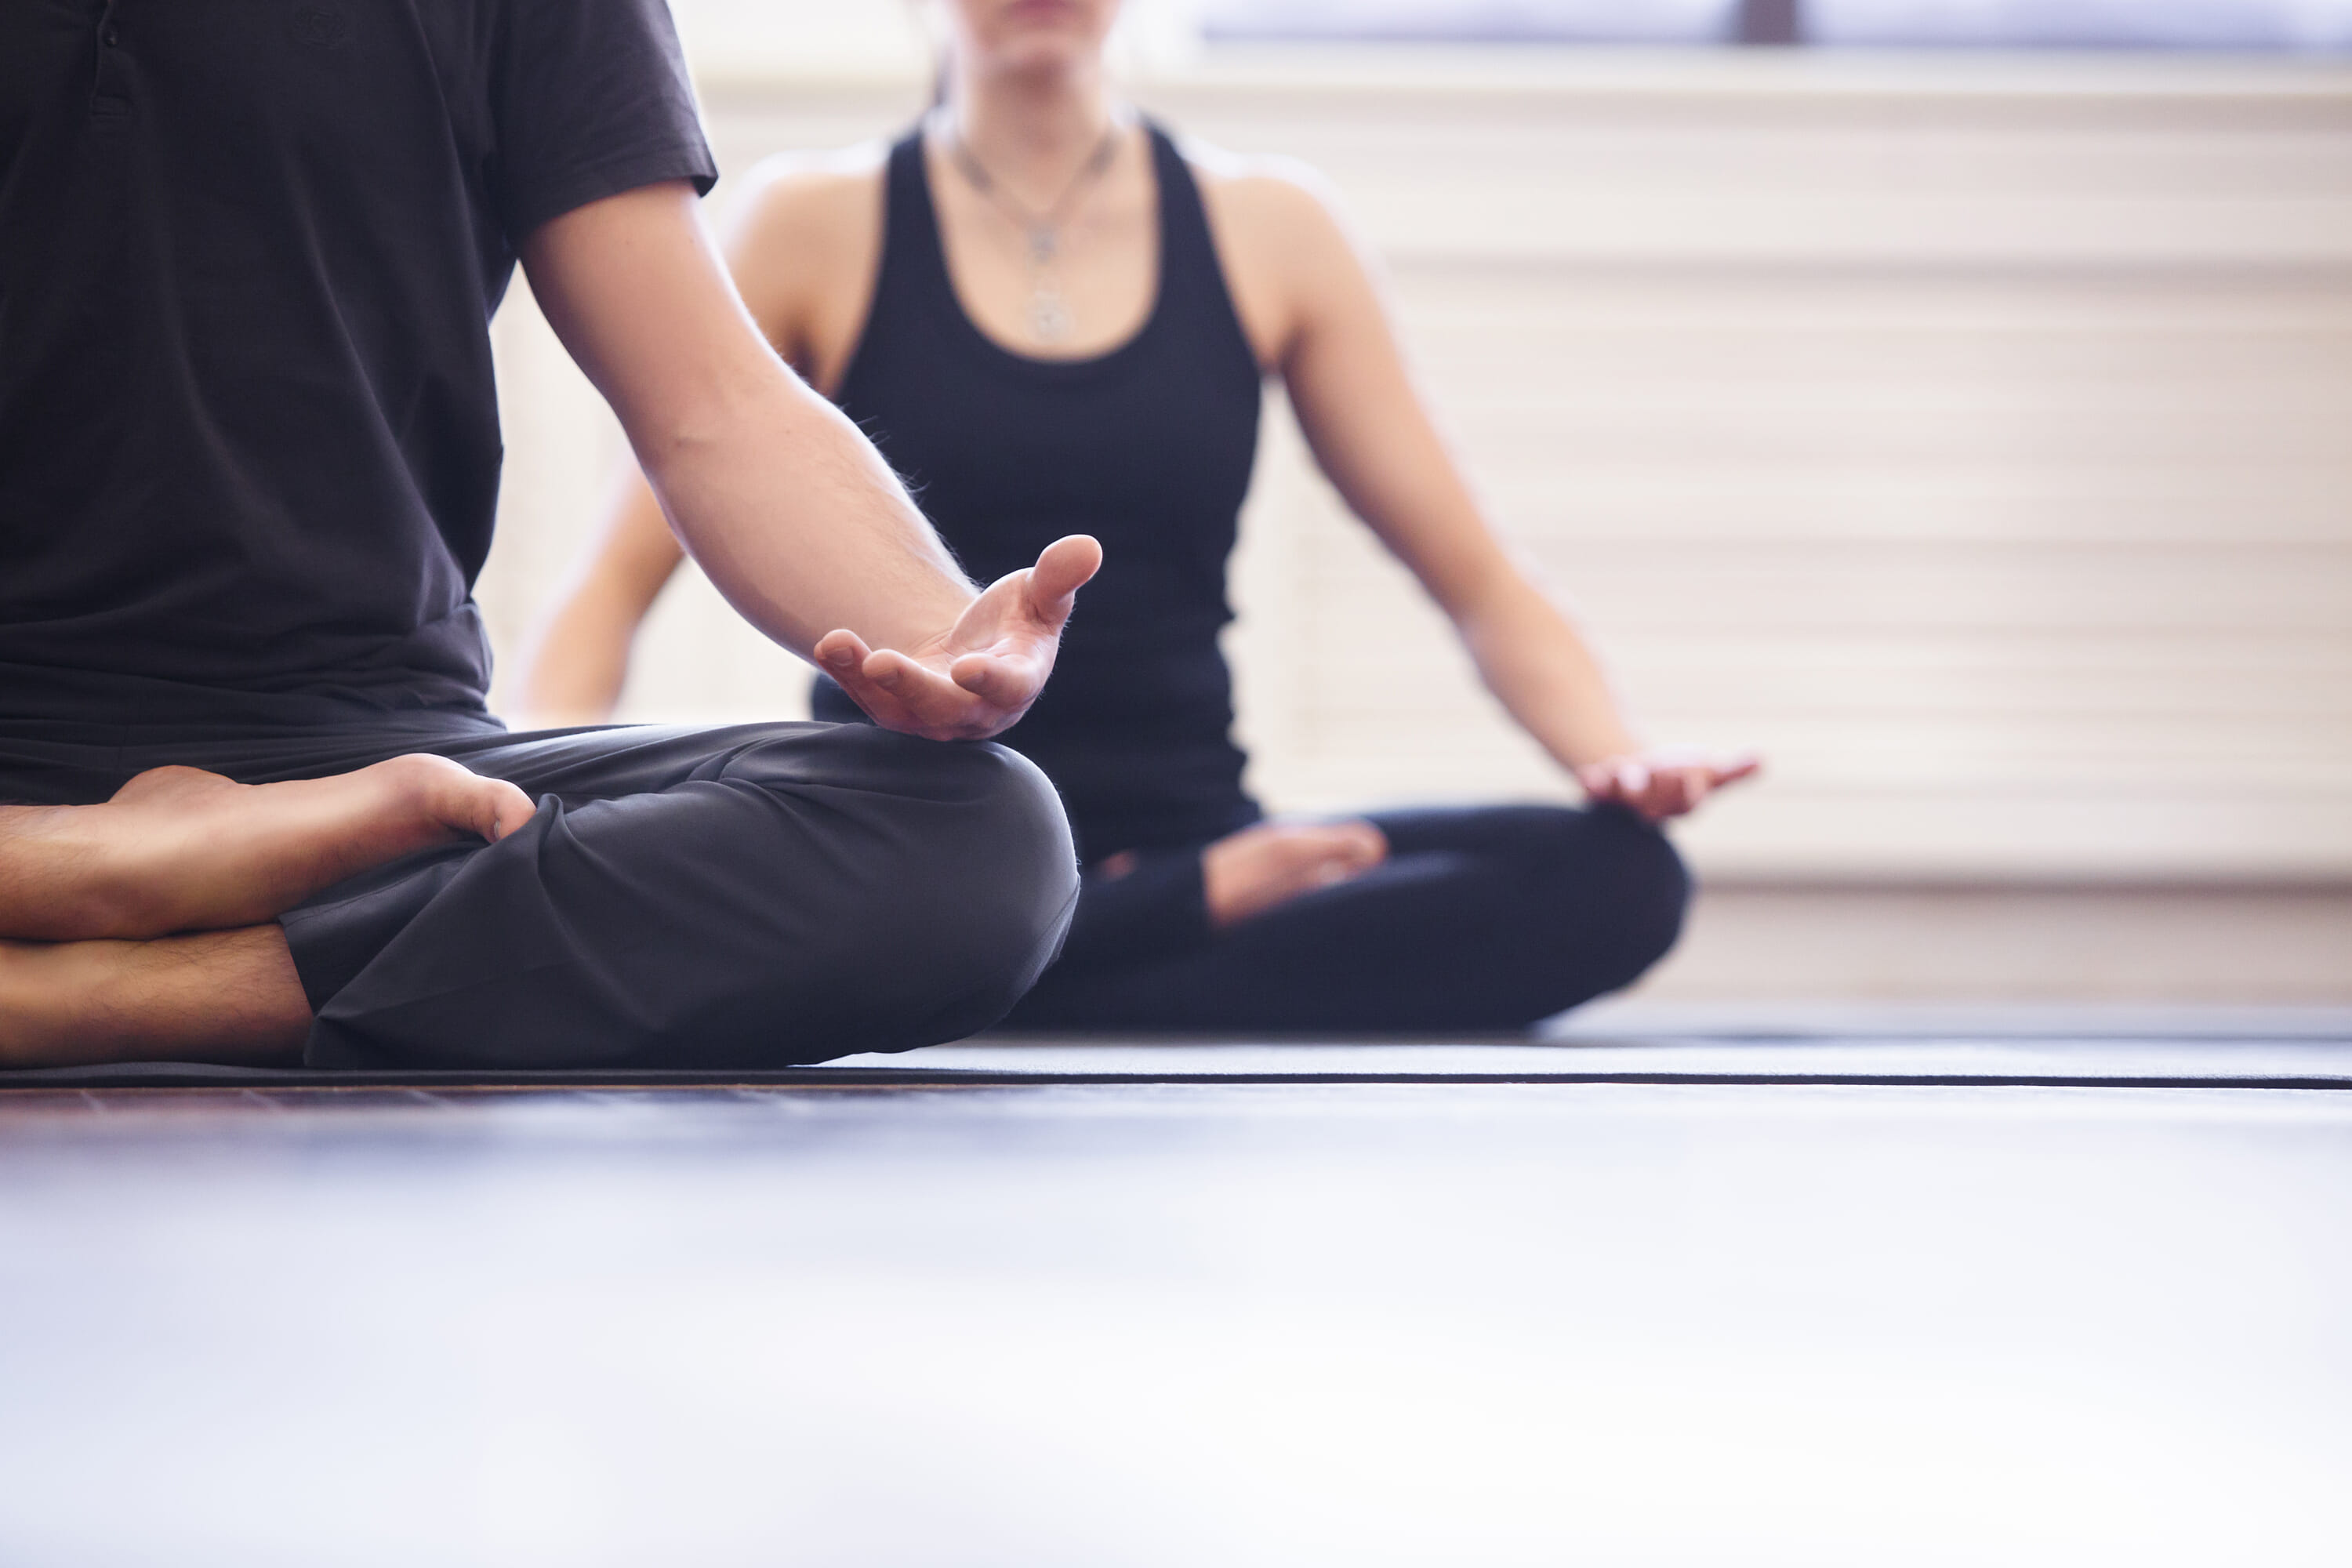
(591, 98)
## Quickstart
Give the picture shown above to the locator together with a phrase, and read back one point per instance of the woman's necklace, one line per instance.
(1049, 313)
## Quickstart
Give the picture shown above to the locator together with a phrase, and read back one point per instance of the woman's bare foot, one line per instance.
(214, 997)
(179, 849)
(1250, 872)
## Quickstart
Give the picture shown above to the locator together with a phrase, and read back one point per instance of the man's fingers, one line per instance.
(887, 669)
(917, 686)
(1063, 568)
(974, 697)
(844, 657)
(979, 692)
(840, 650)
(894, 689)
(1011, 684)
(921, 700)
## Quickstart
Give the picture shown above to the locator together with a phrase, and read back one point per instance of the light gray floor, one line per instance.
(2095, 1061)
(1633, 1037)
(1178, 1324)
(1642, 1017)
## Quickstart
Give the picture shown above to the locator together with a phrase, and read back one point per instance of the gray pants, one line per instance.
(754, 895)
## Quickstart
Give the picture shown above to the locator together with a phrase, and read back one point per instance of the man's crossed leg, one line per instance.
(752, 895)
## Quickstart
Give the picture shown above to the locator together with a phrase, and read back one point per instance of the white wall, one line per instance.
(1974, 434)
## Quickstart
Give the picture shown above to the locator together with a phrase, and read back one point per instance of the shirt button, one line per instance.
(113, 37)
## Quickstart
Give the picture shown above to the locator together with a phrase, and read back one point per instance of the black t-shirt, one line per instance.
(248, 254)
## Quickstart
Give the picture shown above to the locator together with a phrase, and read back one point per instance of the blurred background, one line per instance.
(1952, 397)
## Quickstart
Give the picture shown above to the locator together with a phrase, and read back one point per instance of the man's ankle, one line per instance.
(215, 996)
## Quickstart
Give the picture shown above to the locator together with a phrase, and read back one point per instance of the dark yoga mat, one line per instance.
(2303, 1052)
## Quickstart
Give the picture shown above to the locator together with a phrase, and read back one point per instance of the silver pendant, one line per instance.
(1049, 317)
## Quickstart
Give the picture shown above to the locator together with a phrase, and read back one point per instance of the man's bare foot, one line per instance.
(216, 996)
(1250, 872)
(179, 849)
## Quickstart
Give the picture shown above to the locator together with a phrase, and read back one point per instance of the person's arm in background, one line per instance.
(788, 508)
(578, 659)
(1370, 431)
(801, 239)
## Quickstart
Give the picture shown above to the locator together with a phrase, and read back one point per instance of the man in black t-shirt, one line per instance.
(249, 462)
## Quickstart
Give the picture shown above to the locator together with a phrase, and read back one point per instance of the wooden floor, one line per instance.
(1185, 1318)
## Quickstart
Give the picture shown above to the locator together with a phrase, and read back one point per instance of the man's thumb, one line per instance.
(1064, 566)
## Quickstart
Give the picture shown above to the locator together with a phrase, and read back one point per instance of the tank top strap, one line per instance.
(911, 252)
(1193, 278)
(913, 280)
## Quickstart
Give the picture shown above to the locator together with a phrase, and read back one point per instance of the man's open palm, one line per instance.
(974, 680)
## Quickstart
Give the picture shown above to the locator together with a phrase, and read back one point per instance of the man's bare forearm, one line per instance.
(797, 521)
(791, 513)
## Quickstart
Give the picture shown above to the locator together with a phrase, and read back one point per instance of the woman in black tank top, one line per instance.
(1149, 444)
(1194, 915)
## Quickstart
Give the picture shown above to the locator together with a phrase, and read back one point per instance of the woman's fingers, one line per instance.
(1685, 788)
(1736, 765)
(1603, 781)
(1665, 783)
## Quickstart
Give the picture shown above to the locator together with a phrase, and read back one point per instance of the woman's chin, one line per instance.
(1045, 56)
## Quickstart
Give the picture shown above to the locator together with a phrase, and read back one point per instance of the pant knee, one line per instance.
(970, 878)
(1603, 896)
(1003, 888)
(1645, 893)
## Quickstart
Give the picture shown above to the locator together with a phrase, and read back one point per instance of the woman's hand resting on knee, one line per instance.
(1664, 780)
(1250, 872)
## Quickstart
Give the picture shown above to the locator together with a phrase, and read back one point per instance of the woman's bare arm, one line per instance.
(1330, 333)
(578, 659)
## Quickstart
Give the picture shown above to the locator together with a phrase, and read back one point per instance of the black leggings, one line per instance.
(754, 895)
(1479, 919)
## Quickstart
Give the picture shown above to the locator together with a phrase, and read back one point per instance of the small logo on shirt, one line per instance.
(320, 24)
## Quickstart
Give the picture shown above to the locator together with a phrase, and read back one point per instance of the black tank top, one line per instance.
(1148, 447)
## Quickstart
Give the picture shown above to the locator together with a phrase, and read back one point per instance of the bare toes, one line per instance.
(448, 794)
(1367, 844)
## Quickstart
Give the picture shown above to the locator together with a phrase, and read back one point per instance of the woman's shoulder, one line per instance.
(804, 195)
(1259, 188)
(802, 239)
(1279, 230)
(1267, 210)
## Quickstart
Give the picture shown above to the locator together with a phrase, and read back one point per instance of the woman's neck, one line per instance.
(1030, 130)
